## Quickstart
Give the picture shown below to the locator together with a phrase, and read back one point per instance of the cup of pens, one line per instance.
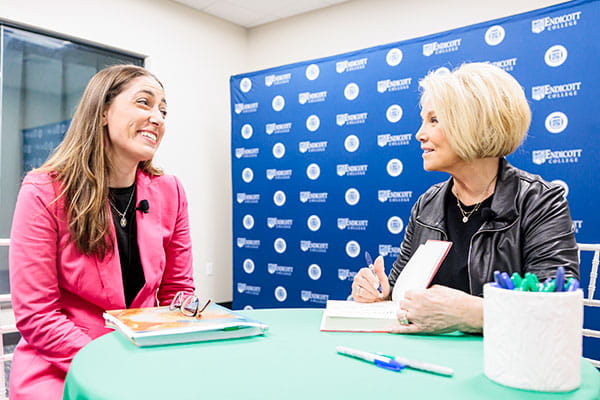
(532, 332)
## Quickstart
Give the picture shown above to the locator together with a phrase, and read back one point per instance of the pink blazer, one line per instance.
(59, 294)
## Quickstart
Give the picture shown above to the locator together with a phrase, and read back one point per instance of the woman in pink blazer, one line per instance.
(97, 227)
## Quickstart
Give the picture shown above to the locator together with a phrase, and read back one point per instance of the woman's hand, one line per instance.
(365, 284)
(440, 309)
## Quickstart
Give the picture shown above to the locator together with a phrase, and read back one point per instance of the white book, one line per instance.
(340, 315)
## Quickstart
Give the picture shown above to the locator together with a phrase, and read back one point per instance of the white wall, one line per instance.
(193, 54)
(359, 24)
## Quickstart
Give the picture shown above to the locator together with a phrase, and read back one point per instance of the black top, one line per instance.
(453, 271)
(129, 253)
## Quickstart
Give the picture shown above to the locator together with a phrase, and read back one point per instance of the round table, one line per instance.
(293, 361)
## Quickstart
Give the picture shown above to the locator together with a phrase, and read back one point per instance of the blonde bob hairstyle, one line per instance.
(82, 164)
(481, 108)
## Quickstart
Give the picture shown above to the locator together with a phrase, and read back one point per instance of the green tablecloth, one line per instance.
(293, 361)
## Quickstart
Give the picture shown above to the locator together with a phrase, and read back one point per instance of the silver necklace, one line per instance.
(466, 215)
(123, 220)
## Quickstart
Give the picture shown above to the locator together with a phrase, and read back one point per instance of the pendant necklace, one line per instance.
(123, 220)
(466, 215)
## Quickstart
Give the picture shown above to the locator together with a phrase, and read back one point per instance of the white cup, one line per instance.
(532, 340)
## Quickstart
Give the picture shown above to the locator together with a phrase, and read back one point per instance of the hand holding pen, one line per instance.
(371, 283)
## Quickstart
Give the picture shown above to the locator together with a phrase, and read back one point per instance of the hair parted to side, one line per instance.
(81, 162)
(482, 109)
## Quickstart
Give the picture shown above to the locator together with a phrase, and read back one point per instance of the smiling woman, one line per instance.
(498, 217)
(75, 246)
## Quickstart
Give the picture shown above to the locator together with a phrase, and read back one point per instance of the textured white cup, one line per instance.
(532, 340)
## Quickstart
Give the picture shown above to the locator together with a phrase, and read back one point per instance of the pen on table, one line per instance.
(421, 366)
(384, 362)
(369, 261)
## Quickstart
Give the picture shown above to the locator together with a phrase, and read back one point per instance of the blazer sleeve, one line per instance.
(34, 274)
(178, 274)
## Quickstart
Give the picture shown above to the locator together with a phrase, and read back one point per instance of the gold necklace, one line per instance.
(123, 220)
(466, 215)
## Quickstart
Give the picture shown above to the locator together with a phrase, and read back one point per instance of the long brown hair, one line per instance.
(81, 162)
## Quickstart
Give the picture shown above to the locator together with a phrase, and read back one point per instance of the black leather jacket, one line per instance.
(532, 230)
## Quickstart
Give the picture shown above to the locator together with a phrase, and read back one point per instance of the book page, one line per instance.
(352, 309)
(421, 268)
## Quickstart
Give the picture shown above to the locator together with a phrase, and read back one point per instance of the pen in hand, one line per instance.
(369, 261)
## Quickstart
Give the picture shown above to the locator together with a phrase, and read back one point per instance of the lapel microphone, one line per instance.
(143, 206)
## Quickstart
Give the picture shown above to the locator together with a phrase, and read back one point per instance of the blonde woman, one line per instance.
(96, 227)
(498, 217)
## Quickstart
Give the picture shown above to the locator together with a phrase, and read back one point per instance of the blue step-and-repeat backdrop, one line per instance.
(325, 164)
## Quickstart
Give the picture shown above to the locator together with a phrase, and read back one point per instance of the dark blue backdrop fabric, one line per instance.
(325, 164)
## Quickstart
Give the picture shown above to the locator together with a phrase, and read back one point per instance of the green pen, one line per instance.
(516, 279)
(533, 282)
(525, 285)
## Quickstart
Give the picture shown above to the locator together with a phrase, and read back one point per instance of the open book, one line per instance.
(158, 325)
(381, 316)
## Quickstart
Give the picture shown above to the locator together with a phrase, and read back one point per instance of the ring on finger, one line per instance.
(404, 318)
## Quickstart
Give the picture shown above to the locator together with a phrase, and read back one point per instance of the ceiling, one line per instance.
(251, 13)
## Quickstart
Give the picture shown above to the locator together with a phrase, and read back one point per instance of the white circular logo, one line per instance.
(280, 293)
(494, 35)
(247, 175)
(394, 113)
(564, 185)
(248, 307)
(314, 272)
(393, 57)
(352, 196)
(442, 71)
(394, 167)
(279, 198)
(247, 131)
(245, 85)
(351, 143)
(278, 103)
(248, 266)
(314, 223)
(313, 171)
(352, 249)
(556, 122)
(395, 225)
(248, 221)
(312, 123)
(280, 245)
(278, 150)
(312, 72)
(351, 91)
(556, 55)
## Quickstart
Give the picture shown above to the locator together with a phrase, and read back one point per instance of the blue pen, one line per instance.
(498, 279)
(560, 279)
(573, 285)
(369, 261)
(508, 284)
(384, 362)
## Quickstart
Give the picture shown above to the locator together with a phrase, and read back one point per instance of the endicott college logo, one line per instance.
(394, 113)
(394, 57)
(248, 221)
(245, 85)
(278, 150)
(247, 131)
(556, 55)
(494, 35)
(312, 123)
(312, 72)
(395, 225)
(556, 122)
(280, 245)
(247, 175)
(278, 103)
(352, 196)
(313, 171)
(248, 266)
(351, 143)
(352, 248)
(394, 167)
(279, 198)
(314, 223)
(280, 293)
(351, 91)
(314, 272)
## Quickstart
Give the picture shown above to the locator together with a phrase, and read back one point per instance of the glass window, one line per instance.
(43, 78)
